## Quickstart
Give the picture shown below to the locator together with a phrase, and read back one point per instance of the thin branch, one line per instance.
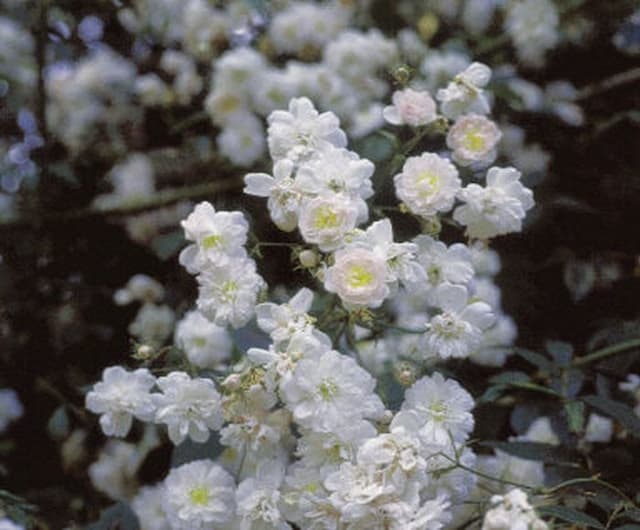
(162, 198)
(615, 81)
(607, 352)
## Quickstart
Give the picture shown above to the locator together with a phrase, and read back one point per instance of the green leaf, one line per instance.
(491, 394)
(629, 526)
(508, 377)
(616, 410)
(575, 415)
(534, 358)
(524, 385)
(119, 516)
(167, 245)
(562, 352)
(564, 513)
(59, 424)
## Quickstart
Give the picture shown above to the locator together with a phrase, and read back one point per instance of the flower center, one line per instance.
(199, 342)
(438, 410)
(434, 273)
(229, 104)
(447, 326)
(328, 389)
(474, 141)
(212, 241)
(429, 178)
(359, 276)
(325, 218)
(199, 496)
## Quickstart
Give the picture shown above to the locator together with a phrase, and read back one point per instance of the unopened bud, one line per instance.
(144, 352)
(428, 26)
(405, 373)
(232, 382)
(308, 258)
(431, 225)
(402, 74)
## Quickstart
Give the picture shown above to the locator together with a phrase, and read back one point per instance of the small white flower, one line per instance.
(280, 362)
(153, 324)
(486, 262)
(10, 408)
(120, 396)
(400, 257)
(497, 342)
(512, 511)
(540, 431)
(139, 288)
(148, 506)
(199, 495)
(242, 140)
(410, 107)
(437, 410)
(442, 264)
(599, 429)
(114, 473)
(189, 407)
(284, 196)
(8, 524)
(329, 393)
(228, 295)
(496, 209)
(533, 27)
(326, 220)
(258, 499)
(299, 132)
(205, 344)
(217, 237)
(337, 171)
(428, 184)
(284, 321)
(457, 331)
(359, 277)
(464, 95)
(473, 139)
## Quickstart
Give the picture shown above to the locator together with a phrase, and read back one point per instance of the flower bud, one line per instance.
(431, 225)
(402, 74)
(405, 373)
(428, 26)
(308, 258)
(144, 352)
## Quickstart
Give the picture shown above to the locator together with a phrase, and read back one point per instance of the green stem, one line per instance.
(607, 352)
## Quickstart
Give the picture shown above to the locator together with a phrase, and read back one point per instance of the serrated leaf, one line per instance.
(534, 358)
(570, 515)
(119, 516)
(575, 415)
(616, 410)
